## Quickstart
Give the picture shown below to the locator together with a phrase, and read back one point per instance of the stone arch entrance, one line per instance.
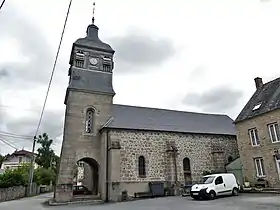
(88, 174)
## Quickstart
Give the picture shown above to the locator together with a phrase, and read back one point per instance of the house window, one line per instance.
(274, 132)
(259, 167)
(142, 166)
(89, 120)
(19, 159)
(253, 133)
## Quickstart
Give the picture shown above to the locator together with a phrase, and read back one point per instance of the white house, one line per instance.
(17, 158)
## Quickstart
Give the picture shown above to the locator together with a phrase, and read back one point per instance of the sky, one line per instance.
(189, 55)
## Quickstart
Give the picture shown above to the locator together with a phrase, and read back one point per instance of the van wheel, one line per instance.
(235, 192)
(212, 195)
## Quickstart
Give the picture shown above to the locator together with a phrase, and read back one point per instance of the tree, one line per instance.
(46, 156)
(2, 158)
(44, 176)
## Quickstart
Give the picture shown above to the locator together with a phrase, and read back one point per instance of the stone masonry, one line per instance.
(159, 164)
(266, 150)
(77, 144)
(112, 153)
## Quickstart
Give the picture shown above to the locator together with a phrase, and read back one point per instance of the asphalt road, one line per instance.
(242, 202)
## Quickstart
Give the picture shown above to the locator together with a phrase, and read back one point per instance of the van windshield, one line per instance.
(207, 180)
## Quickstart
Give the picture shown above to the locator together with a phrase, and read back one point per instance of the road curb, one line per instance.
(51, 202)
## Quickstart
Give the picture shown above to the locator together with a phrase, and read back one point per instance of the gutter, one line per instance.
(107, 166)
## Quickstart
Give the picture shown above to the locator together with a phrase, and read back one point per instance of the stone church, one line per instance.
(127, 147)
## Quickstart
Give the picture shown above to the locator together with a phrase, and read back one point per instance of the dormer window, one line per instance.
(257, 106)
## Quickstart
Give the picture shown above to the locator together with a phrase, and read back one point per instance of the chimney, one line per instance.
(258, 82)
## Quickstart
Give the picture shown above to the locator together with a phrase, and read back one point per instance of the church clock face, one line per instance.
(93, 61)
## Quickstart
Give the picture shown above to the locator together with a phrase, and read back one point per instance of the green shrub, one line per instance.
(44, 176)
(13, 178)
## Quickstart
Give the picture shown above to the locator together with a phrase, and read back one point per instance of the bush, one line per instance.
(13, 178)
(44, 176)
(19, 177)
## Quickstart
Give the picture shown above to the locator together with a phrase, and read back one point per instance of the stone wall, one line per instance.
(77, 144)
(265, 150)
(12, 193)
(159, 163)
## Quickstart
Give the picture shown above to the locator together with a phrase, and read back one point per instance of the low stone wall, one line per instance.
(12, 193)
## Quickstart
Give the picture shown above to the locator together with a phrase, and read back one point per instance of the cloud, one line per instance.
(52, 124)
(3, 73)
(34, 55)
(198, 72)
(137, 49)
(264, 1)
(25, 66)
(218, 99)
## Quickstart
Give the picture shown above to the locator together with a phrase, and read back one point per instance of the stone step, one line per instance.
(86, 197)
(88, 202)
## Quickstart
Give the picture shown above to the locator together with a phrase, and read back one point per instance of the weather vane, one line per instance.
(93, 12)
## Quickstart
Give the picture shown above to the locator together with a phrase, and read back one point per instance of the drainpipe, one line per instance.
(107, 166)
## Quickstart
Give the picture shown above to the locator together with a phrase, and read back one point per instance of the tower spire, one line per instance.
(93, 12)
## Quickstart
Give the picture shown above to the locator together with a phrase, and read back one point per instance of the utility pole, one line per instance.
(31, 168)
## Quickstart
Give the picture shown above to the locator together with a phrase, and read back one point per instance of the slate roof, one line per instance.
(22, 152)
(91, 81)
(142, 118)
(19, 153)
(268, 95)
(92, 40)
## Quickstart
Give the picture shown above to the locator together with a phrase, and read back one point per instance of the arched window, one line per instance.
(80, 59)
(89, 120)
(186, 164)
(142, 166)
(187, 170)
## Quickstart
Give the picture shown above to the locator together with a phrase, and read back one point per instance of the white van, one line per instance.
(215, 185)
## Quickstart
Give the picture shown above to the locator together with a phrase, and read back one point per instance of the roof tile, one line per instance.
(269, 97)
(142, 118)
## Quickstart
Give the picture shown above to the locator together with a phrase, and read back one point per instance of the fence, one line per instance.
(12, 193)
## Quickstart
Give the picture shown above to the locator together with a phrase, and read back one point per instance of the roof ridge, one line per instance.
(271, 81)
(172, 110)
(266, 95)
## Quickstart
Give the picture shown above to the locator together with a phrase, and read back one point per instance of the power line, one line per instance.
(54, 66)
(16, 137)
(11, 142)
(2, 4)
(13, 134)
(44, 105)
(14, 107)
(7, 143)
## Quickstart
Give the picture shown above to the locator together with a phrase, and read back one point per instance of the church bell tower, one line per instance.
(89, 99)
